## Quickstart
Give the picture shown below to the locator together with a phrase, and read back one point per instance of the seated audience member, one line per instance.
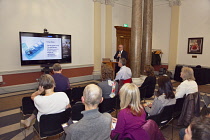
(49, 103)
(94, 125)
(164, 96)
(199, 129)
(150, 82)
(131, 116)
(124, 73)
(109, 87)
(188, 85)
(61, 82)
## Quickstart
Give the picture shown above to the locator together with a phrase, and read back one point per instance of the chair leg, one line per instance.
(172, 130)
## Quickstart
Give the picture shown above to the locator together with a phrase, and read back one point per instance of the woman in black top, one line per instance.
(149, 83)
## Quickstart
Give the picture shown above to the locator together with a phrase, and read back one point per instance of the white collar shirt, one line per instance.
(124, 73)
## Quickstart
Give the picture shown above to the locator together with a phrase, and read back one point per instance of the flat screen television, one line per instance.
(42, 48)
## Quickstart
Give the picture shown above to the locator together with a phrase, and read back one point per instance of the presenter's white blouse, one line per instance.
(186, 87)
(124, 73)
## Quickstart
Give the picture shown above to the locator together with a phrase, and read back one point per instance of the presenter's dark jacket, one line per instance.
(123, 55)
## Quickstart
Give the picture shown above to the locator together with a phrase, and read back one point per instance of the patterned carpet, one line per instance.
(10, 128)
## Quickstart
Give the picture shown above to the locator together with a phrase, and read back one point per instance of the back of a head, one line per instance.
(123, 61)
(166, 87)
(149, 70)
(57, 67)
(200, 128)
(106, 72)
(47, 81)
(130, 98)
(92, 95)
(188, 73)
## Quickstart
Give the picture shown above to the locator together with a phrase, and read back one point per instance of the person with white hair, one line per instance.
(94, 125)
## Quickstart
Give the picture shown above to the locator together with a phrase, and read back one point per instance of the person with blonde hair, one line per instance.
(131, 116)
(188, 85)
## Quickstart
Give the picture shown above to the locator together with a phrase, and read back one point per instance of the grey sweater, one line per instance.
(93, 126)
(158, 104)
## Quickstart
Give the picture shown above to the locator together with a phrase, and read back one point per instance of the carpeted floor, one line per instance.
(10, 128)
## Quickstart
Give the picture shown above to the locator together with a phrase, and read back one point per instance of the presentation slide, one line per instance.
(41, 48)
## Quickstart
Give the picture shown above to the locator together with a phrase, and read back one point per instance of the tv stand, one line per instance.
(46, 68)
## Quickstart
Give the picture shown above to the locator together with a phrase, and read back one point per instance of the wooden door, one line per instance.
(123, 35)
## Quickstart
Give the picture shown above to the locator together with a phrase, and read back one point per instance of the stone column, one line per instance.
(174, 34)
(108, 29)
(97, 39)
(136, 36)
(147, 34)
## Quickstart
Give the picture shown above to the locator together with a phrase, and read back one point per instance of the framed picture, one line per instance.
(195, 45)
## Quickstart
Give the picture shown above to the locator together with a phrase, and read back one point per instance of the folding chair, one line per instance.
(108, 105)
(77, 108)
(164, 117)
(50, 125)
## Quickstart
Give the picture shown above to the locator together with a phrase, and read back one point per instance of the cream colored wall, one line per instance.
(161, 29)
(194, 22)
(74, 17)
(121, 14)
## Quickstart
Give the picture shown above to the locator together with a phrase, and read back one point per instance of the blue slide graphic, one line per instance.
(31, 52)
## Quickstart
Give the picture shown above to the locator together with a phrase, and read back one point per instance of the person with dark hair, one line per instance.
(164, 96)
(149, 82)
(199, 129)
(124, 73)
(109, 87)
(61, 82)
(49, 103)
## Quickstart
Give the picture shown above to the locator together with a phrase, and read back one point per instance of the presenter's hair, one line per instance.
(130, 98)
(123, 61)
(92, 95)
(57, 67)
(200, 128)
(47, 81)
(106, 72)
(188, 73)
(149, 70)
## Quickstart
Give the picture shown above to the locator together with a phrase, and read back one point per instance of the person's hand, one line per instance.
(188, 133)
(41, 89)
(145, 105)
(114, 120)
(119, 55)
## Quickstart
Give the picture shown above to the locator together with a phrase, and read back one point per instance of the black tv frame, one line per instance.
(49, 61)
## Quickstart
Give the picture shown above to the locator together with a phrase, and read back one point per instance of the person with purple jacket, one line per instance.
(132, 116)
(61, 82)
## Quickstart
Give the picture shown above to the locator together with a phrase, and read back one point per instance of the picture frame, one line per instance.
(195, 45)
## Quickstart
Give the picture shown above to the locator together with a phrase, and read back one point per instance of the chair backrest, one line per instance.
(143, 91)
(178, 106)
(190, 109)
(206, 100)
(69, 94)
(76, 111)
(27, 105)
(107, 105)
(77, 93)
(165, 115)
(50, 124)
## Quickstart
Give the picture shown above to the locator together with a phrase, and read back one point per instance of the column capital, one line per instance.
(107, 2)
(174, 3)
